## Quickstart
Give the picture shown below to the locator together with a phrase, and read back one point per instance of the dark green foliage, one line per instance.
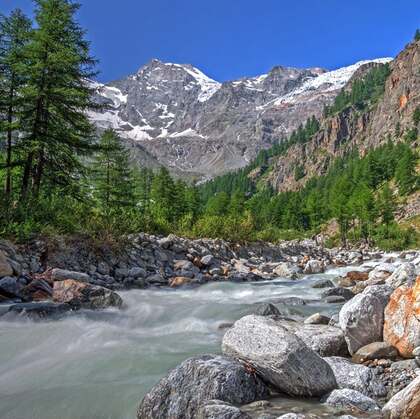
(364, 92)
(299, 172)
(417, 35)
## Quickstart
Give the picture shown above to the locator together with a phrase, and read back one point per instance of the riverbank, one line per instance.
(320, 307)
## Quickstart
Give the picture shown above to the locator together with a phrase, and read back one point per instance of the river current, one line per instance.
(99, 365)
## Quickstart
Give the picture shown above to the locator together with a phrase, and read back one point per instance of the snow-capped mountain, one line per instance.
(174, 115)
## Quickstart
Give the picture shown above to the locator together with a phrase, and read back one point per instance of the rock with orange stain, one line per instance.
(403, 101)
(402, 319)
(83, 295)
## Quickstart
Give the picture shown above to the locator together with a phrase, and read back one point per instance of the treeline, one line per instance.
(58, 177)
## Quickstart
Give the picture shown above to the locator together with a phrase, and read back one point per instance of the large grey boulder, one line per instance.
(356, 377)
(279, 356)
(287, 270)
(216, 409)
(188, 387)
(404, 274)
(351, 399)
(362, 320)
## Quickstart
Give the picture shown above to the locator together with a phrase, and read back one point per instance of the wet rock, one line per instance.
(279, 356)
(267, 309)
(292, 416)
(361, 320)
(405, 404)
(351, 399)
(317, 318)
(323, 283)
(156, 279)
(83, 295)
(37, 290)
(375, 350)
(11, 287)
(335, 299)
(137, 272)
(62, 274)
(357, 377)
(198, 380)
(404, 365)
(216, 409)
(5, 267)
(402, 319)
(290, 301)
(245, 277)
(38, 310)
(338, 291)
(314, 266)
(404, 274)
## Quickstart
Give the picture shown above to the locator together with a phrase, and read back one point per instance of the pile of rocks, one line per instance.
(367, 362)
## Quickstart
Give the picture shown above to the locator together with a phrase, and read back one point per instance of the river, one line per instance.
(98, 365)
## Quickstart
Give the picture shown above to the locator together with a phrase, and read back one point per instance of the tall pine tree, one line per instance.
(57, 98)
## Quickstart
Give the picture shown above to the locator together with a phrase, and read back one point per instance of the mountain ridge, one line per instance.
(174, 115)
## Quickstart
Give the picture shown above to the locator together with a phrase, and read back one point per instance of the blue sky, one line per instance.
(228, 39)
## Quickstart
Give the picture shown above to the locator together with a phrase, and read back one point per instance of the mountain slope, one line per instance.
(176, 116)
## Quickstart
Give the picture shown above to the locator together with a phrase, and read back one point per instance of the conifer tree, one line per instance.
(15, 32)
(57, 97)
(113, 177)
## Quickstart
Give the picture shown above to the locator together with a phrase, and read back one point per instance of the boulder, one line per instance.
(375, 350)
(62, 274)
(380, 273)
(5, 267)
(335, 299)
(37, 290)
(137, 272)
(361, 320)
(83, 295)
(382, 292)
(183, 392)
(402, 319)
(156, 279)
(11, 287)
(279, 356)
(287, 270)
(314, 266)
(267, 309)
(357, 377)
(38, 310)
(351, 399)
(339, 291)
(405, 404)
(207, 260)
(216, 409)
(404, 274)
(323, 283)
(317, 318)
(357, 276)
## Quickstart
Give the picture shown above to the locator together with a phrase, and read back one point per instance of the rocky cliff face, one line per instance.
(352, 129)
(174, 115)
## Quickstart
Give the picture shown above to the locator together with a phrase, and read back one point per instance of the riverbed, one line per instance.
(99, 365)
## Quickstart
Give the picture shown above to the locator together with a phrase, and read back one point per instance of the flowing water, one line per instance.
(99, 365)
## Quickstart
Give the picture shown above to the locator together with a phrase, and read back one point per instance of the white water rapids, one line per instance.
(98, 365)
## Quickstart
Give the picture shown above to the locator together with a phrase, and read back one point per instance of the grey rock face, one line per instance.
(356, 377)
(196, 381)
(279, 356)
(174, 115)
(362, 321)
(406, 273)
(351, 399)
